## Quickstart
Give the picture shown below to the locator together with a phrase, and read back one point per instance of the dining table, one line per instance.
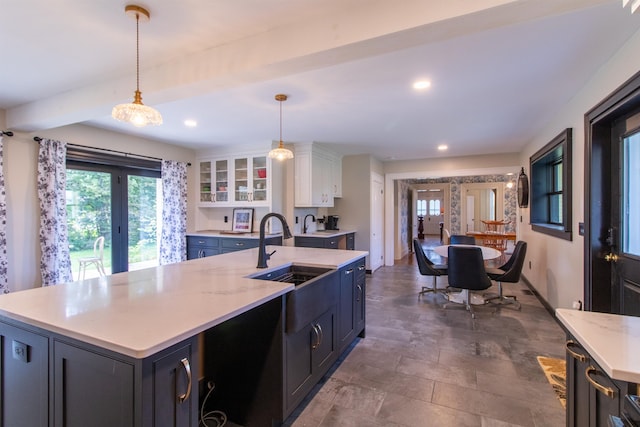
(459, 297)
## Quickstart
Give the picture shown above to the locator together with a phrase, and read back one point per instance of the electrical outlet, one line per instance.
(20, 351)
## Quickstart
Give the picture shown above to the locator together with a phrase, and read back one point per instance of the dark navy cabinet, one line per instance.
(204, 246)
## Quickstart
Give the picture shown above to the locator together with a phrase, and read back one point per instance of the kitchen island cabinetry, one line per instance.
(125, 349)
(602, 365)
(94, 386)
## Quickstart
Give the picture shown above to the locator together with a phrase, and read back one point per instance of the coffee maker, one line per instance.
(332, 222)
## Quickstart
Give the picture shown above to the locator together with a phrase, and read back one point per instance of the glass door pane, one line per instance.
(144, 218)
(88, 217)
(631, 195)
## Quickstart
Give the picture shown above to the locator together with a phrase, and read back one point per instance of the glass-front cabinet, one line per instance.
(214, 181)
(235, 181)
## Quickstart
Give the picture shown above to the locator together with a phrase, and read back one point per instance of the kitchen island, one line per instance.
(129, 349)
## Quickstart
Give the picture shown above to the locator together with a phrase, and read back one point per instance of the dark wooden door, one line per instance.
(612, 213)
(623, 237)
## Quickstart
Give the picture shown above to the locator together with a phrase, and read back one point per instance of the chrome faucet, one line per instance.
(263, 256)
(304, 222)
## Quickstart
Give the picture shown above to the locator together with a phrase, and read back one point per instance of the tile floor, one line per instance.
(422, 365)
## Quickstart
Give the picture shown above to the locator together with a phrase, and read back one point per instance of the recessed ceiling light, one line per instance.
(443, 147)
(422, 85)
(190, 123)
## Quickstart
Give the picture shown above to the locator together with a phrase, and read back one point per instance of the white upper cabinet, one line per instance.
(316, 181)
(235, 181)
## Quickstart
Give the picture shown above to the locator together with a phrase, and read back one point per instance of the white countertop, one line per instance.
(325, 233)
(229, 234)
(141, 312)
(612, 340)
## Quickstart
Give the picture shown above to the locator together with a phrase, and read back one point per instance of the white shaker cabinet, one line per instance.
(315, 184)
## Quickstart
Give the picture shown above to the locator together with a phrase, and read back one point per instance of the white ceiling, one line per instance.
(500, 69)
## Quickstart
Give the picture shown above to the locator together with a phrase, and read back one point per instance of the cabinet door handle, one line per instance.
(187, 369)
(317, 343)
(575, 355)
(359, 293)
(321, 334)
(607, 391)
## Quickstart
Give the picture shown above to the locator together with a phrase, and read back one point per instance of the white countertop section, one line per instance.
(612, 340)
(141, 312)
(229, 234)
(325, 233)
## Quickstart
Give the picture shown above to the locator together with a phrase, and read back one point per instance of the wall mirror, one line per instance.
(480, 201)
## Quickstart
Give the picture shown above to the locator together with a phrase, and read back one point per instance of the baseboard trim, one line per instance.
(543, 301)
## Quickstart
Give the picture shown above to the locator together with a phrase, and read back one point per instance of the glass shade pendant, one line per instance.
(137, 113)
(281, 153)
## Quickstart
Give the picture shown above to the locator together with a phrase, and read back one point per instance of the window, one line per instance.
(551, 187)
(422, 207)
(434, 207)
(119, 199)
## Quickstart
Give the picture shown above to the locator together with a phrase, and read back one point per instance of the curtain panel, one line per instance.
(55, 263)
(4, 287)
(173, 241)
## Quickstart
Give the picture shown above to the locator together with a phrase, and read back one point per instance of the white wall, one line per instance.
(557, 266)
(20, 170)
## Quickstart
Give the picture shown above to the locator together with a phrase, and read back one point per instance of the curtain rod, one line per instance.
(38, 139)
(6, 132)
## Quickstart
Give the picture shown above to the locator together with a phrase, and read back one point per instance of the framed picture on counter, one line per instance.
(243, 220)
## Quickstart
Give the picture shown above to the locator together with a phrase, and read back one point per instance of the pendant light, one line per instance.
(136, 112)
(281, 153)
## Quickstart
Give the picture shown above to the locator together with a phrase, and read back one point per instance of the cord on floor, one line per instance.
(216, 418)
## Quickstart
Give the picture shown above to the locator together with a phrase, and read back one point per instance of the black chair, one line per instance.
(427, 268)
(466, 271)
(460, 239)
(509, 272)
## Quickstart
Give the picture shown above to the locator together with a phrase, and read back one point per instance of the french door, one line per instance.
(121, 204)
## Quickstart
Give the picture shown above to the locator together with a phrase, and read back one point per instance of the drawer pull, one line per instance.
(239, 244)
(607, 391)
(577, 356)
(349, 271)
(187, 369)
(361, 268)
(317, 343)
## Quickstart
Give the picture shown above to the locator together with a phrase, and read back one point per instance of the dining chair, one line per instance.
(96, 259)
(509, 272)
(466, 271)
(461, 239)
(428, 268)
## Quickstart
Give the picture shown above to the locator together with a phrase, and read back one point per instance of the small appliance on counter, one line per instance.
(320, 223)
(332, 222)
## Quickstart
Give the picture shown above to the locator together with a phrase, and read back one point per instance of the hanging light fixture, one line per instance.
(136, 112)
(281, 153)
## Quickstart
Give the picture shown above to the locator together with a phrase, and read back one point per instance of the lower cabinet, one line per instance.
(592, 396)
(92, 386)
(351, 304)
(204, 246)
(310, 352)
(24, 377)
(344, 241)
